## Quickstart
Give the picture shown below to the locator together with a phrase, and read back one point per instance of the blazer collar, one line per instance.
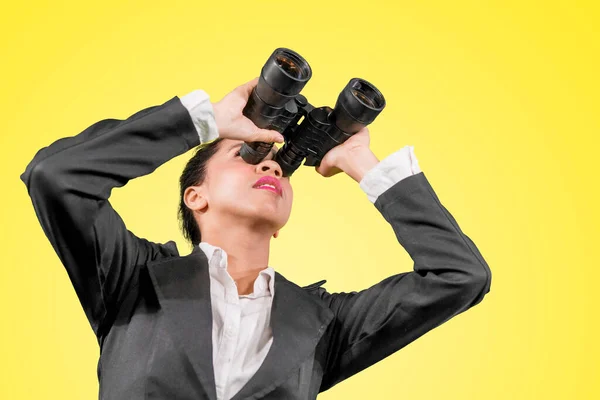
(298, 320)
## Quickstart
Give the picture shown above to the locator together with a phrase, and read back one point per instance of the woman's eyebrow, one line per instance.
(273, 151)
(235, 145)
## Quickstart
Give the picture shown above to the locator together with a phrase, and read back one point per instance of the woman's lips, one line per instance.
(270, 189)
(269, 182)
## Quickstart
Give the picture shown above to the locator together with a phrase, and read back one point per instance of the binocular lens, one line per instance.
(292, 67)
(357, 106)
(283, 76)
(361, 96)
(367, 94)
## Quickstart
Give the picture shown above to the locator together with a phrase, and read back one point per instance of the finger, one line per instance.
(247, 87)
(328, 170)
(322, 170)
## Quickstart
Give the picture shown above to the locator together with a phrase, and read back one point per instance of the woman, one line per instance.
(220, 323)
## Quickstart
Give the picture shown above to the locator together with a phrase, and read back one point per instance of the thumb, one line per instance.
(267, 135)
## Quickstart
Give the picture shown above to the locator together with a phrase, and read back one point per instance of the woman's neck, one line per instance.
(247, 252)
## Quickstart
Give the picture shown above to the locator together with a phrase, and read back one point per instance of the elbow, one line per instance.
(40, 178)
(479, 284)
(34, 168)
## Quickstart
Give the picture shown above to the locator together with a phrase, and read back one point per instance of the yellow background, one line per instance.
(498, 98)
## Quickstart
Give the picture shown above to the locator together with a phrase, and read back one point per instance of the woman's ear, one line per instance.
(276, 234)
(194, 198)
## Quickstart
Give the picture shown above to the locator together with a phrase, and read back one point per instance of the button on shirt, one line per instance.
(241, 334)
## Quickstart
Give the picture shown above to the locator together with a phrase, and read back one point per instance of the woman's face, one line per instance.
(230, 187)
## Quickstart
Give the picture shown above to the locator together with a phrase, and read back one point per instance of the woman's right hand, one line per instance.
(232, 124)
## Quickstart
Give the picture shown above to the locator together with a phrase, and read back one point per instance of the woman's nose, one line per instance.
(269, 166)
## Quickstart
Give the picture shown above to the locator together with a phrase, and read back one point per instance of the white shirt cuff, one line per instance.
(389, 171)
(202, 113)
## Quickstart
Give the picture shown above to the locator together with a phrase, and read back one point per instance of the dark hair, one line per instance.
(193, 174)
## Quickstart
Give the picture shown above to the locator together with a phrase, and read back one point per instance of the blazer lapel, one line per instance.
(298, 321)
(182, 286)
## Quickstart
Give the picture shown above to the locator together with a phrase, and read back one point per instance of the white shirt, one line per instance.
(241, 334)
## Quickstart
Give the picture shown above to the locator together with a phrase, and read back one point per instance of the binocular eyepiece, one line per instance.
(276, 103)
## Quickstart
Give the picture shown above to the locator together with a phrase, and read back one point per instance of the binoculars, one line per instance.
(276, 103)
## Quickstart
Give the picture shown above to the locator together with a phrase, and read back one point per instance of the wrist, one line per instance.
(357, 162)
(216, 112)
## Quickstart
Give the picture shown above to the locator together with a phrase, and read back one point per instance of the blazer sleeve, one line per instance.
(450, 276)
(70, 182)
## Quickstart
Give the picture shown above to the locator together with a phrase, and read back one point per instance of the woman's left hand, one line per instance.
(353, 157)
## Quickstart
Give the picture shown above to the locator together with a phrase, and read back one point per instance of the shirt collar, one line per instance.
(217, 258)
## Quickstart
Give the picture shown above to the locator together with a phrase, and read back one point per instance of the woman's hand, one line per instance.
(232, 124)
(354, 157)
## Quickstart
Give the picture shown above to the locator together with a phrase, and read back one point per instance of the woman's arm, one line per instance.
(450, 274)
(70, 181)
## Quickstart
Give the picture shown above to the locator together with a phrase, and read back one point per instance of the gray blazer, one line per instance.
(150, 307)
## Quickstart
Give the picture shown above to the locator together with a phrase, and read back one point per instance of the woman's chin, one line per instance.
(264, 213)
(262, 210)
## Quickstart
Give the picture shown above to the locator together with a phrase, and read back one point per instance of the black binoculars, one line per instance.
(276, 103)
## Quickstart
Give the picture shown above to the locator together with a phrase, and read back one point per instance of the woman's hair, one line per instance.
(194, 174)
